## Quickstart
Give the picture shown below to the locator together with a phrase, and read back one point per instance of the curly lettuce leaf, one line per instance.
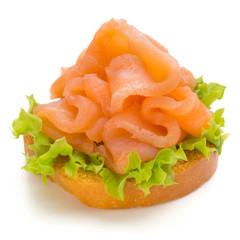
(215, 134)
(32, 103)
(44, 164)
(113, 183)
(95, 163)
(179, 152)
(78, 160)
(71, 167)
(208, 92)
(200, 144)
(137, 170)
(41, 144)
(36, 166)
(161, 173)
(26, 123)
(155, 172)
(46, 152)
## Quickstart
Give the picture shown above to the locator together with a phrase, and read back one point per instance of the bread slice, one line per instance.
(88, 187)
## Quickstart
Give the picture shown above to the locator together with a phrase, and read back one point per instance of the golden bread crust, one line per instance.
(89, 188)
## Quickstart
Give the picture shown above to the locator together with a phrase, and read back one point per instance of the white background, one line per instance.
(38, 37)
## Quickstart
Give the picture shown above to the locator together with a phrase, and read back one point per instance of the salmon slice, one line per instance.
(94, 133)
(127, 131)
(78, 141)
(80, 57)
(77, 112)
(196, 119)
(127, 76)
(185, 100)
(92, 87)
(98, 91)
(65, 69)
(75, 86)
(72, 114)
(116, 38)
(58, 86)
(183, 105)
(157, 44)
(187, 79)
(131, 120)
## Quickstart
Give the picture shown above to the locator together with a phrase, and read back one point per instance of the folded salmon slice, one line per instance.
(98, 91)
(78, 141)
(80, 57)
(183, 105)
(187, 79)
(128, 131)
(127, 76)
(94, 133)
(58, 86)
(157, 44)
(80, 109)
(73, 114)
(91, 87)
(116, 38)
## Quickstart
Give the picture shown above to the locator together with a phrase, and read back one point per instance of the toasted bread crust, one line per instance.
(89, 188)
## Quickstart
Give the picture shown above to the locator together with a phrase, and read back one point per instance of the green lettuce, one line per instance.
(27, 123)
(44, 164)
(78, 160)
(208, 92)
(46, 150)
(155, 172)
(144, 175)
(113, 183)
(41, 144)
(199, 143)
(32, 103)
(215, 134)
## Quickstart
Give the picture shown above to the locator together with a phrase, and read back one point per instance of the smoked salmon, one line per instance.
(124, 93)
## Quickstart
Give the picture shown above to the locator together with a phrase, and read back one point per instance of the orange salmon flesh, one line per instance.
(124, 93)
